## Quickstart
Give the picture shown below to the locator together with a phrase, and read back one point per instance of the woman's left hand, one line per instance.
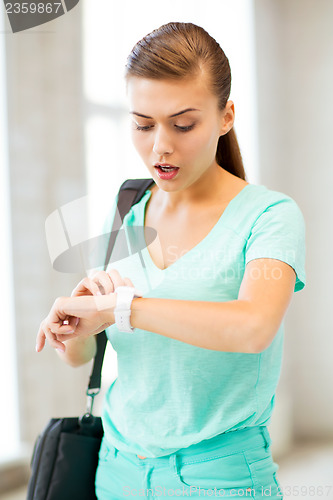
(86, 315)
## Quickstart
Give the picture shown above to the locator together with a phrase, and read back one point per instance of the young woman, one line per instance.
(188, 412)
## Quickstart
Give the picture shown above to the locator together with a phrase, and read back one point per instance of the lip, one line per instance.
(166, 175)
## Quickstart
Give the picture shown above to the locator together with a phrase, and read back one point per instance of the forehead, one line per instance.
(153, 97)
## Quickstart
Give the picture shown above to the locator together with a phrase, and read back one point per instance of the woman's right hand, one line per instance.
(80, 350)
(100, 283)
(75, 317)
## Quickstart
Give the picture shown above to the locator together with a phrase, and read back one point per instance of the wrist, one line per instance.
(136, 305)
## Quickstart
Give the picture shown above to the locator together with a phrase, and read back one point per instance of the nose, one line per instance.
(162, 143)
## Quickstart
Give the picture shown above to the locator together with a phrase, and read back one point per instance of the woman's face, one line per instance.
(177, 124)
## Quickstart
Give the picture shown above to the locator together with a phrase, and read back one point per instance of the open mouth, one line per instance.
(166, 172)
(166, 169)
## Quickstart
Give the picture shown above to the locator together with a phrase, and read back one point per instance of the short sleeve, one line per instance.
(279, 233)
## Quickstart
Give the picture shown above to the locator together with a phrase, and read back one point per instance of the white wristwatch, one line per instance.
(122, 311)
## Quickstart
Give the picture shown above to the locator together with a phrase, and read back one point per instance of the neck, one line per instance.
(205, 190)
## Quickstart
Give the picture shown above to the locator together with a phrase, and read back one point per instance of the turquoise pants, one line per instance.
(236, 464)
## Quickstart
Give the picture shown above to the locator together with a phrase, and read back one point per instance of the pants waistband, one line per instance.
(225, 443)
(229, 442)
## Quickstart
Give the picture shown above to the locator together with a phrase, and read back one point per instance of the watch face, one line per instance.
(125, 288)
(125, 296)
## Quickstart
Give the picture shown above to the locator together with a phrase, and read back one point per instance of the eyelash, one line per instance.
(149, 127)
(185, 129)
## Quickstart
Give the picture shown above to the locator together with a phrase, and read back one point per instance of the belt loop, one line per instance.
(266, 436)
(113, 450)
(174, 463)
(108, 447)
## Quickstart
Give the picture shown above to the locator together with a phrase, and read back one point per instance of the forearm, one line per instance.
(221, 326)
(79, 350)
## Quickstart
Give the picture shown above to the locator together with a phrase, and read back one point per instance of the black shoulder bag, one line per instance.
(65, 456)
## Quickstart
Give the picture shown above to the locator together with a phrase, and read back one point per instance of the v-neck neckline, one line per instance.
(201, 242)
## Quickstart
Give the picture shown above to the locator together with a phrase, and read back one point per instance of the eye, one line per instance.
(184, 129)
(144, 128)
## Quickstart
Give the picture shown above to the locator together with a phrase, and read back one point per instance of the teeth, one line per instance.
(166, 169)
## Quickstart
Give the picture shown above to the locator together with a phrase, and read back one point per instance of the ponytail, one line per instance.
(228, 154)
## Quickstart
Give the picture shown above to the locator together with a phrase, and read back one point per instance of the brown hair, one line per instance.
(180, 50)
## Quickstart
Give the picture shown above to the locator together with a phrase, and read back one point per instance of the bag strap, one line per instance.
(130, 193)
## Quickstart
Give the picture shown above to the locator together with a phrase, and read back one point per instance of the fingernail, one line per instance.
(77, 321)
(98, 293)
(60, 350)
(36, 348)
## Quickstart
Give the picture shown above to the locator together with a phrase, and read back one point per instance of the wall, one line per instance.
(47, 170)
(294, 41)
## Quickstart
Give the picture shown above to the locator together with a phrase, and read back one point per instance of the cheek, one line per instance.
(211, 137)
(202, 144)
(140, 142)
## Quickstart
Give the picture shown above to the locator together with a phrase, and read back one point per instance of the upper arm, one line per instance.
(279, 234)
(268, 285)
(274, 266)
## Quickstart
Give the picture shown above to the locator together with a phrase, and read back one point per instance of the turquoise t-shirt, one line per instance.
(168, 394)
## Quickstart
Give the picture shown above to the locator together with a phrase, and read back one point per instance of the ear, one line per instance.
(227, 118)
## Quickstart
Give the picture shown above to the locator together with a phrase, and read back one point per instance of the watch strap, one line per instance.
(122, 311)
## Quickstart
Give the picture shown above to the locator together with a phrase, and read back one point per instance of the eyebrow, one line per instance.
(171, 116)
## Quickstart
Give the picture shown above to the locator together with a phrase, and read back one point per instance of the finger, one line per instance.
(68, 321)
(68, 326)
(40, 340)
(105, 281)
(116, 278)
(53, 341)
(57, 313)
(86, 286)
(73, 322)
(128, 282)
(79, 289)
(56, 327)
